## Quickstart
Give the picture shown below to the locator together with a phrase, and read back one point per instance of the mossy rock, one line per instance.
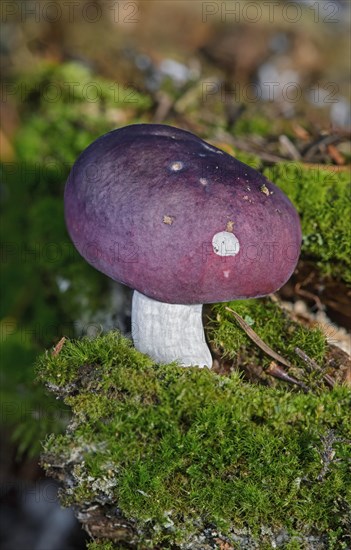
(160, 428)
(160, 456)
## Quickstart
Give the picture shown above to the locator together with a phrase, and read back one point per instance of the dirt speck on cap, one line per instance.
(168, 220)
(264, 189)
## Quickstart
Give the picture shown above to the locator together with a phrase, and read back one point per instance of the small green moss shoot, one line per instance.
(178, 449)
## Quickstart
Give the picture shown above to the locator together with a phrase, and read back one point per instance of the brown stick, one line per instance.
(273, 369)
(255, 338)
(278, 372)
(312, 366)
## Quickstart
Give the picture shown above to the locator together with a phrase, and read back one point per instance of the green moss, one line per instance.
(34, 311)
(103, 545)
(323, 200)
(274, 326)
(178, 449)
(250, 159)
(63, 108)
(253, 125)
(66, 107)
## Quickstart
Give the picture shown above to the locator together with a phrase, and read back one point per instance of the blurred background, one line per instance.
(266, 81)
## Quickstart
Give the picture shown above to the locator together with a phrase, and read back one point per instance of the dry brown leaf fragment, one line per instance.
(335, 155)
(230, 226)
(58, 346)
(264, 189)
(300, 132)
(168, 220)
(222, 545)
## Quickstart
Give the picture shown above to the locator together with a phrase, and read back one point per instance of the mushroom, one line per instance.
(183, 224)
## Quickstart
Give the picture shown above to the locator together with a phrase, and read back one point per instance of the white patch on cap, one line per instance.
(176, 166)
(225, 244)
(203, 181)
(226, 273)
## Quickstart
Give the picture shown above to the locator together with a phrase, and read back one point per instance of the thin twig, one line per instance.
(309, 296)
(306, 293)
(278, 372)
(321, 141)
(164, 105)
(313, 366)
(289, 147)
(258, 149)
(255, 338)
(273, 369)
(311, 363)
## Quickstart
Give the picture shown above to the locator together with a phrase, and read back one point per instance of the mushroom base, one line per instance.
(169, 332)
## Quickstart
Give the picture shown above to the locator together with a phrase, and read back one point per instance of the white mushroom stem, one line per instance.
(169, 332)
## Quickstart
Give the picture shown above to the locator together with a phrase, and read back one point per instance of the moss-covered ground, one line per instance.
(47, 289)
(178, 450)
(275, 327)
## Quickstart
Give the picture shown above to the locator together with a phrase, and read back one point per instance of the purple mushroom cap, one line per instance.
(148, 205)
